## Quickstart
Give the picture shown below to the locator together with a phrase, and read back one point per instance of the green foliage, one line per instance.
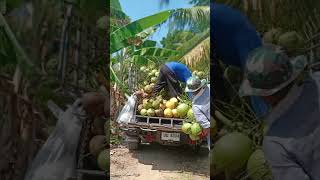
(118, 37)
(115, 4)
(196, 19)
(158, 52)
(267, 14)
(102, 22)
(200, 2)
(7, 53)
(176, 38)
(11, 4)
(117, 17)
(92, 10)
(147, 43)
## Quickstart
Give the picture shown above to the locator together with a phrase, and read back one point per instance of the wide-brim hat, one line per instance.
(203, 83)
(298, 64)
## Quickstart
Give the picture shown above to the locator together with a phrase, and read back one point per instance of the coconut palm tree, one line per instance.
(197, 19)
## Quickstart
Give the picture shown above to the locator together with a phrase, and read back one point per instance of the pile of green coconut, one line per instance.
(236, 153)
(99, 143)
(159, 106)
(291, 41)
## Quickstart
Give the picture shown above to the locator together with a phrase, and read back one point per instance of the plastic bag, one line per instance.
(56, 160)
(127, 112)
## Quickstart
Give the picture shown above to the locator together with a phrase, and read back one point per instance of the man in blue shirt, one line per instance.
(170, 76)
(233, 38)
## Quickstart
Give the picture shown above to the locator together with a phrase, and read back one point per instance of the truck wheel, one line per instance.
(196, 148)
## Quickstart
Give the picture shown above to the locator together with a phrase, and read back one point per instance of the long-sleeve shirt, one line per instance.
(291, 145)
(181, 71)
(234, 37)
(201, 107)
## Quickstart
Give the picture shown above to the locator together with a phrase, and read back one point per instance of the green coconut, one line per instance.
(143, 68)
(148, 89)
(186, 128)
(190, 114)
(143, 112)
(257, 166)
(155, 104)
(97, 126)
(151, 112)
(182, 110)
(194, 137)
(195, 129)
(150, 74)
(272, 36)
(96, 144)
(103, 159)
(159, 98)
(194, 73)
(291, 40)
(201, 74)
(154, 79)
(231, 152)
(154, 71)
(147, 104)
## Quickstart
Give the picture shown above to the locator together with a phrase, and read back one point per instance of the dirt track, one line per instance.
(158, 163)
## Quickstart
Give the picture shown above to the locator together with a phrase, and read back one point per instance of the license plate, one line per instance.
(170, 136)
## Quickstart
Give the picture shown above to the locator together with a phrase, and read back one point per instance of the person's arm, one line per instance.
(283, 165)
(201, 118)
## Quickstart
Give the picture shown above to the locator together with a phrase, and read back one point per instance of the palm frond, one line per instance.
(199, 53)
(196, 18)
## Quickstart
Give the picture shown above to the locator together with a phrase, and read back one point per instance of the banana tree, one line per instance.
(196, 50)
(132, 39)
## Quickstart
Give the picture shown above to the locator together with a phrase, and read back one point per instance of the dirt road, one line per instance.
(158, 163)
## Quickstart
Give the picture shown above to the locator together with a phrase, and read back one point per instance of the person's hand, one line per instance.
(139, 93)
(205, 132)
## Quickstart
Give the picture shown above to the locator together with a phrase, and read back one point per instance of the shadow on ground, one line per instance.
(180, 159)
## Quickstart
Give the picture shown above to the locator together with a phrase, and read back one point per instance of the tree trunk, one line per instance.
(63, 46)
(77, 57)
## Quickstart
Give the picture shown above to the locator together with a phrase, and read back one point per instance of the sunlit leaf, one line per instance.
(157, 52)
(118, 37)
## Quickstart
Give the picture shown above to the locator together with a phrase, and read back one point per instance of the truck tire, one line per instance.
(195, 148)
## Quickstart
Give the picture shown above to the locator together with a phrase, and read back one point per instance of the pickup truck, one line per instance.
(161, 130)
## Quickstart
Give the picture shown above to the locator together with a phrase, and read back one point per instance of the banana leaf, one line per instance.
(118, 37)
(158, 52)
(147, 43)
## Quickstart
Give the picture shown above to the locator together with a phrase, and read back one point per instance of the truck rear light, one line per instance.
(191, 142)
(149, 137)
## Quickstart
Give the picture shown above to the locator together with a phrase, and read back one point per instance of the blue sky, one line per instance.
(137, 9)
